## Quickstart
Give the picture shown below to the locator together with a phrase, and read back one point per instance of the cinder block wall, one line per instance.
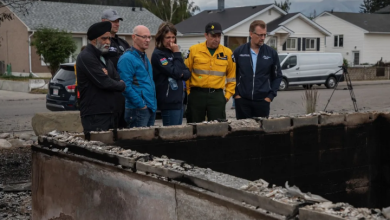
(341, 157)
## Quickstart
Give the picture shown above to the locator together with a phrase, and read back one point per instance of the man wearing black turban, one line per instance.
(98, 82)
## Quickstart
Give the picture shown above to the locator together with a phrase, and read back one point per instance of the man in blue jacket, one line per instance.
(258, 74)
(136, 71)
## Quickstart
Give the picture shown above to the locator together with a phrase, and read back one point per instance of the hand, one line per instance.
(267, 99)
(145, 107)
(105, 71)
(237, 97)
(123, 84)
(174, 47)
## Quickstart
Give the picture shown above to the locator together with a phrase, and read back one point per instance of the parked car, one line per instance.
(307, 69)
(61, 94)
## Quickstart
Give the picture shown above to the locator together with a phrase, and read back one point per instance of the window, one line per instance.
(356, 59)
(291, 44)
(338, 40)
(311, 44)
(272, 42)
(290, 63)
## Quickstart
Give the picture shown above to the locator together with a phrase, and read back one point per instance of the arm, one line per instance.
(275, 77)
(189, 62)
(175, 69)
(127, 74)
(230, 77)
(236, 57)
(97, 76)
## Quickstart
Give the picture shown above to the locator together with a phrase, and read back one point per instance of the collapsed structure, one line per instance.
(133, 177)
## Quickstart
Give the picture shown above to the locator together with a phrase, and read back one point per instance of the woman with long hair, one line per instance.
(169, 75)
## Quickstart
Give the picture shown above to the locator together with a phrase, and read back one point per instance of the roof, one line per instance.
(385, 10)
(376, 23)
(77, 18)
(227, 18)
(273, 25)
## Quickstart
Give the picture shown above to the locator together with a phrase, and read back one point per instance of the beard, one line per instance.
(102, 47)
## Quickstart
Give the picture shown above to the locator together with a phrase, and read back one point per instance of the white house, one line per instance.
(361, 38)
(286, 32)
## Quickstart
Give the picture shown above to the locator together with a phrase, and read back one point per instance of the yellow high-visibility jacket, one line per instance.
(216, 72)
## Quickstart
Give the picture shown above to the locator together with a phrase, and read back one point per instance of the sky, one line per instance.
(213, 4)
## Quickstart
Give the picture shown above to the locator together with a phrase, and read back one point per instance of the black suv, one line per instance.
(61, 94)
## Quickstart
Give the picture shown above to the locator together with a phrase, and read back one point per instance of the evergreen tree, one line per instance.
(173, 11)
(285, 6)
(371, 6)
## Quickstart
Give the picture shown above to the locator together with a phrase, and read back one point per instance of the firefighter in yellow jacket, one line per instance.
(213, 77)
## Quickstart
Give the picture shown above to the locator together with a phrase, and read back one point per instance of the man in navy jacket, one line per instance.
(258, 74)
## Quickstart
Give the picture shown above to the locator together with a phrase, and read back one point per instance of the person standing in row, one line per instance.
(213, 69)
(169, 74)
(98, 82)
(135, 69)
(117, 48)
(258, 74)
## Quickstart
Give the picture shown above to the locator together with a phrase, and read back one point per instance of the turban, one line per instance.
(98, 29)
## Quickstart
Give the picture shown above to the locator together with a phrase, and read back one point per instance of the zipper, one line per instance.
(253, 80)
(167, 91)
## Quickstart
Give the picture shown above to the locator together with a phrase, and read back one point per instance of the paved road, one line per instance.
(17, 109)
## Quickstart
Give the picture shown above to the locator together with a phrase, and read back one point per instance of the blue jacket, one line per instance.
(265, 81)
(140, 89)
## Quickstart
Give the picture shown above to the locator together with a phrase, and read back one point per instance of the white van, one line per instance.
(308, 69)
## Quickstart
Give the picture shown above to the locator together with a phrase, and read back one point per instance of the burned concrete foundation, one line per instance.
(343, 158)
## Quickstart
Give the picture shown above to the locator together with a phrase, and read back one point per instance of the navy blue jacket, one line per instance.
(265, 82)
(166, 64)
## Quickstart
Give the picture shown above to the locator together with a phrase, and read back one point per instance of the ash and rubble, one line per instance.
(15, 205)
(347, 211)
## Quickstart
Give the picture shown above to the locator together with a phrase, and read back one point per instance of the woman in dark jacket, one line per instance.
(169, 75)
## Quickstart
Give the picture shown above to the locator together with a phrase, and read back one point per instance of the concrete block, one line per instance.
(182, 132)
(249, 198)
(16, 86)
(305, 121)
(44, 123)
(357, 119)
(212, 129)
(169, 173)
(106, 137)
(136, 133)
(276, 125)
(245, 125)
(307, 214)
(332, 119)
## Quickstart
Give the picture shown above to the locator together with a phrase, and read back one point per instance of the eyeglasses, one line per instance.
(260, 35)
(144, 37)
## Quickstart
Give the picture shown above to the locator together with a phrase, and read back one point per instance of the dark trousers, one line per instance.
(205, 102)
(248, 108)
(99, 122)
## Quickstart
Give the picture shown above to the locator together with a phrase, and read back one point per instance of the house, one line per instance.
(361, 38)
(291, 32)
(74, 18)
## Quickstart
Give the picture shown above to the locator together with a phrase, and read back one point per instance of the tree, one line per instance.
(54, 46)
(371, 6)
(20, 6)
(173, 11)
(285, 6)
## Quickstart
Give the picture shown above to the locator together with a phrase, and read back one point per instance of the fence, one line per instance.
(369, 73)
